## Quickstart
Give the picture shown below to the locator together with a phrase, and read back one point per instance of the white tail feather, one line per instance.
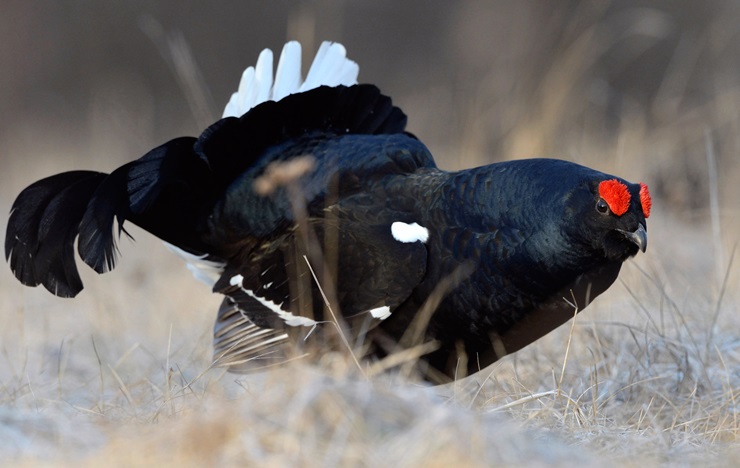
(331, 67)
(288, 74)
(263, 78)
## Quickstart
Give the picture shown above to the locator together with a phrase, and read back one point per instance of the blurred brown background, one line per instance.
(637, 88)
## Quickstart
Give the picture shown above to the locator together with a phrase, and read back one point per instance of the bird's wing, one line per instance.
(285, 289)
(345, 204)
(241, 345)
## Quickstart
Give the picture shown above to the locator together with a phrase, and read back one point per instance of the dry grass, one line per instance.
(121, 376)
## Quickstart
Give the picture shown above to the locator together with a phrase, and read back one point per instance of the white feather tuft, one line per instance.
(381, 313)
(206, 271)
(407, 233)
(262, 79)
(288, 74)
(331, 67)
(239, 98)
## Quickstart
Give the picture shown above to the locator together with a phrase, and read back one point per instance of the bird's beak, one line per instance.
(639, 237)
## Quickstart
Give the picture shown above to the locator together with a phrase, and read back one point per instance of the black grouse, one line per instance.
(316, 206)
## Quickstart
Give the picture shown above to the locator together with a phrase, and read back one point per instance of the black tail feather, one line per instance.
(157, 192)
(43, 224)
(170, 190)
(96, 244)
(173, 165)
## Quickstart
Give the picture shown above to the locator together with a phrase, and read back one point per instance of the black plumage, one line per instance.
(505, 250)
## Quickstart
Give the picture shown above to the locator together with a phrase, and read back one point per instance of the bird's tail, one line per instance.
(170, 190)
(331, 67)
(42, 228)
(159, 192)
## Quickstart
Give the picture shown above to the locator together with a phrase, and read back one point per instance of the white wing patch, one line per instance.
(381, 313)
(236, 279)
(407, 233)
(288, 318)
(331, 67)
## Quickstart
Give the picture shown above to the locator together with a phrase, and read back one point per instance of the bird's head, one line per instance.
(614, 213)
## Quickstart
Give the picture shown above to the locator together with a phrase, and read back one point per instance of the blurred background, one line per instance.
(641, 88)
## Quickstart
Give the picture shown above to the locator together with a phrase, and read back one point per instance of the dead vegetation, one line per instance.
(124, 378)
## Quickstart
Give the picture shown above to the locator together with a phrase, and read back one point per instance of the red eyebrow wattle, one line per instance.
(616, 195)
(645, 200)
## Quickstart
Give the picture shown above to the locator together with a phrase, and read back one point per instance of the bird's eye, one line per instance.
(602, 207)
